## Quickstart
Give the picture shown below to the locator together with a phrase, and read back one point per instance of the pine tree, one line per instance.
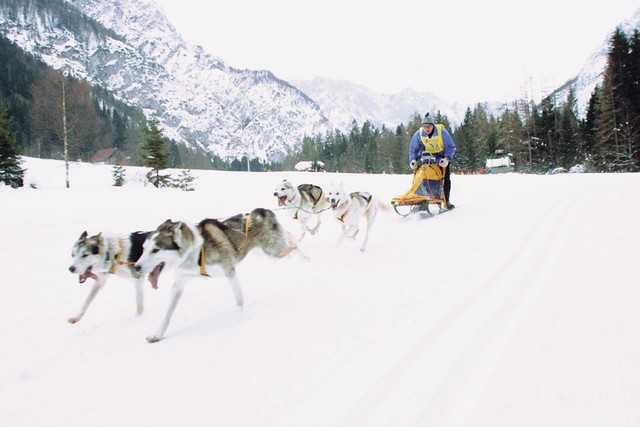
(11, 173)
(610, 120)
(185, 180)
(467, 153)
(546, 126)
(634, 95)
(118, 174)
(568, 143)
(588, 126)
(155, 154)
(512, 136)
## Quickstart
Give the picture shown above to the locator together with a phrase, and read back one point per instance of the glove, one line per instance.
(414, 164)
(444, 162)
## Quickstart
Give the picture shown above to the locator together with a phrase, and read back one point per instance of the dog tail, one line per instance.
(384, 207)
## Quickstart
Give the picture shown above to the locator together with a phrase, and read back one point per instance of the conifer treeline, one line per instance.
(607, 139)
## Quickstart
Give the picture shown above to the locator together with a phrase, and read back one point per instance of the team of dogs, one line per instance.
(195, 249)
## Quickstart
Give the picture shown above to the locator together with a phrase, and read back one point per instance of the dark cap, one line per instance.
(428, 120)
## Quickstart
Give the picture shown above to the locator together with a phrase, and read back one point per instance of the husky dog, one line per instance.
(98, 256)
(350, 208)
(193, 249)
(305, 201)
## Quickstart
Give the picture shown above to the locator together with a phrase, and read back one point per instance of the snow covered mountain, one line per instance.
(342, 102)
(592, 71)
(199, 100)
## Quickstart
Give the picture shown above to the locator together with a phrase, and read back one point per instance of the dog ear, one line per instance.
(177, 234)
(83, 236)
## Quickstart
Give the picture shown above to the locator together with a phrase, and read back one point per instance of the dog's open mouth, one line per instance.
(282, 200)
(334, 204)
(88, 274)
(155, 274)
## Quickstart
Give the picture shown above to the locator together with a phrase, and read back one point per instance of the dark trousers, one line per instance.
(447, 183)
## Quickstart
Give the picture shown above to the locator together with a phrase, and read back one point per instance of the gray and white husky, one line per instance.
(99, 256)
(195, 249)
(305, 201)
(350, 208)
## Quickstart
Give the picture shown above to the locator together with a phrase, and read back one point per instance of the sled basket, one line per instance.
(427, 189)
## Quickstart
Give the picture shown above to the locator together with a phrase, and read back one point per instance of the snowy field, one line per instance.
(519, 308)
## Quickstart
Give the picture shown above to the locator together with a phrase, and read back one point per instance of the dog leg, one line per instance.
(366, 235)
(304, 230)
(342, 235)
(314, 230)
(356, 230)
(140, 295)
(176, 293)
(99, 283)
(292, 247)
(235, 286)
(305, 227)
(370, 219)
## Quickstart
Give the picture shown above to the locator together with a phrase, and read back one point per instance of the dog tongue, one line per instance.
(282, 200)
(87, 275)
(153, 276)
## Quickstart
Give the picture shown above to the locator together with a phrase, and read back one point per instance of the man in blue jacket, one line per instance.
(435, 140)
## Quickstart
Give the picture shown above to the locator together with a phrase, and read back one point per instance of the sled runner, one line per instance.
(426, 191)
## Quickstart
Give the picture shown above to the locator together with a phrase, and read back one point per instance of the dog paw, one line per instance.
(153, 338)
(140, 310)
(73, 320)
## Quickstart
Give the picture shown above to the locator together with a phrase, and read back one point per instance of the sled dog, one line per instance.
(99, 256)
(305, 201)
(349, 209)
(195, 249)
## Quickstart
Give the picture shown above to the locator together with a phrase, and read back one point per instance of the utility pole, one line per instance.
(64, 133)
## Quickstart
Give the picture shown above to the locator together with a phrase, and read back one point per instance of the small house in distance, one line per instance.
(107, 156)
(307, 166)
(500, 163)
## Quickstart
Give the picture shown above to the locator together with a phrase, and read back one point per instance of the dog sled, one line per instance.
(426, 195)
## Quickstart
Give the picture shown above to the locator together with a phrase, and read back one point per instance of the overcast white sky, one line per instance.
(461, 50)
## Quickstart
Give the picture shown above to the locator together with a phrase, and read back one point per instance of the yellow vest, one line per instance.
(435, 144)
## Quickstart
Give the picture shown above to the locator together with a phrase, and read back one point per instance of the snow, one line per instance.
(499, 161)
(519, 308)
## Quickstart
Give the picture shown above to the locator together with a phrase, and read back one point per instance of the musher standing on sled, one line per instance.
(435, 140)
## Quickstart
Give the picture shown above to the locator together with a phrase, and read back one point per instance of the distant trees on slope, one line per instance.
(607, 139)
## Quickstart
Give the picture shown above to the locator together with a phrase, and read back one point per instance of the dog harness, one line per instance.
(203, 271)
(365, 196)
(117, 261)
(310, 189)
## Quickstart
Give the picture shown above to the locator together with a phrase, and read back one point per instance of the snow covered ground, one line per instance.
(519, 308)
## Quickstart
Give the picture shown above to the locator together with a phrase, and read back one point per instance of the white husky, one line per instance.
(305, 201)
(99, 256)
(350, 208)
